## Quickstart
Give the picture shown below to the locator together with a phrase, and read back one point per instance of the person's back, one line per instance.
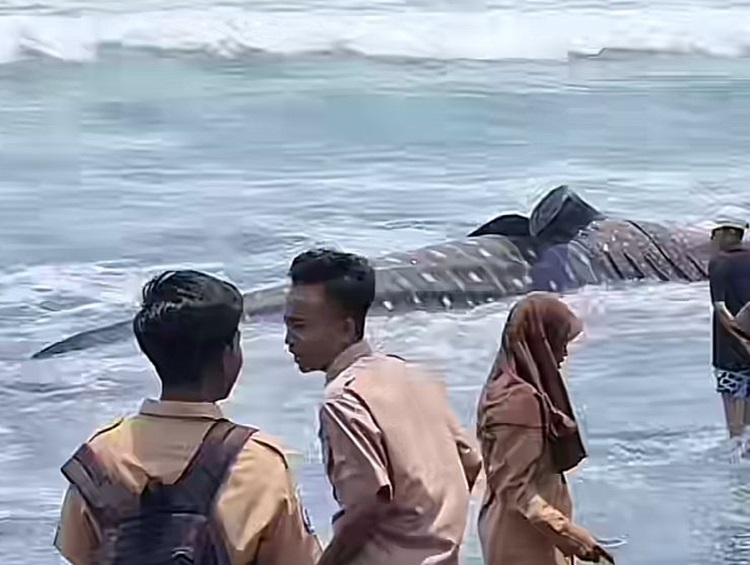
(177, 482)
(427, 513)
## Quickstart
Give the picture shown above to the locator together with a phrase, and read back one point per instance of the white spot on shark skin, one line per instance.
(518, 283)
(388, 305)
(416, 299)
(413, 261)
(484, 253)
(446, 301)
(475, 277)
(553, 286)
(605, 248)
(526, 279)
(437, 254)
(428, 277)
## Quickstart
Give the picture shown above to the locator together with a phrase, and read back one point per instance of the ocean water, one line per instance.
(230, 136)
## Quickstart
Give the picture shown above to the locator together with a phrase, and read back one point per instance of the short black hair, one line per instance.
(186, 321)
(348, 280)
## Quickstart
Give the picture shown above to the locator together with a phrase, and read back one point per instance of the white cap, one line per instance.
(730, 217)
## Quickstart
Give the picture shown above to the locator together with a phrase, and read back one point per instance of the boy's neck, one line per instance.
(175, 395)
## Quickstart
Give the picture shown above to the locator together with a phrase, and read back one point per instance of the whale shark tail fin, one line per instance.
(560, 215)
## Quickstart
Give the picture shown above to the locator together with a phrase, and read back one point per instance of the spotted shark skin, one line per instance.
(462, 274)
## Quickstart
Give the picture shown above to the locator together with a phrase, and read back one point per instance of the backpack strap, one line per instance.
(204, 475)
(107, 499)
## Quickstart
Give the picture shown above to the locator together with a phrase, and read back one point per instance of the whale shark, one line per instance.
(564, 244)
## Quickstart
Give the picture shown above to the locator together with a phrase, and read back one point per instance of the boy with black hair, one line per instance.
(178, 482)
(400, 463)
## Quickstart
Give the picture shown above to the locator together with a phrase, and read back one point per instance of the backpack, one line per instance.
(165, 524)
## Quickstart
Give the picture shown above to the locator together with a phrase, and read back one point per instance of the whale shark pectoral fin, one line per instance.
(85, 340)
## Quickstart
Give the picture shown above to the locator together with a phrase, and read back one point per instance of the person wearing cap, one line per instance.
(729, 281)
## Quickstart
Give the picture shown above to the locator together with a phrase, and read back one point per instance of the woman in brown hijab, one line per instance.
(529, 439)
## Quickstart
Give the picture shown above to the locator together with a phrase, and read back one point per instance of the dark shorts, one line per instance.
(734, 383)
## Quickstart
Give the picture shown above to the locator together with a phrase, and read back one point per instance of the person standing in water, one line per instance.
(400, 464)
(729, 282)
(529, 439)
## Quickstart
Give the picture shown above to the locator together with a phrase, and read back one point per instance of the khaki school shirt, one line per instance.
(257, 506)
(386, 427)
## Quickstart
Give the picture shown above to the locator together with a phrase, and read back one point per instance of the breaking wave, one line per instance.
(491, 35)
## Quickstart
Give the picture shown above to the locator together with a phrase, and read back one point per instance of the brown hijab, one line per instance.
(534, 343)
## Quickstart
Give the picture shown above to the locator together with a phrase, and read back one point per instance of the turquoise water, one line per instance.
(161, 134)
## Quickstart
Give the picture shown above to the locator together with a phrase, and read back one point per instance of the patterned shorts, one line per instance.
(734, 383)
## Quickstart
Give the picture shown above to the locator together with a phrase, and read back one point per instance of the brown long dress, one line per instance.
(529, 438)
(525, 499)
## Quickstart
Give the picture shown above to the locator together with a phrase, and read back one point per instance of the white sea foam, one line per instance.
(498, 34)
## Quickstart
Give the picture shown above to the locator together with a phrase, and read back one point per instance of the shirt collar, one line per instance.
(175, 409)
(347, 358)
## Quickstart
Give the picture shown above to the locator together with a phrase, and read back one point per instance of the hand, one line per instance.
(597, 554)
(587, 548)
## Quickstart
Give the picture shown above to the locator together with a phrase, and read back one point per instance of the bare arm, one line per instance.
(740, 329)
(718, 282)
(725, 316)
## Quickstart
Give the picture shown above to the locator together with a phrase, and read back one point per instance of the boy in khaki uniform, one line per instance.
(401, 466)
(188, 327)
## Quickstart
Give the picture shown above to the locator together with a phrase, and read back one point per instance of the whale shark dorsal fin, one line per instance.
(560, 215)
(509, 225)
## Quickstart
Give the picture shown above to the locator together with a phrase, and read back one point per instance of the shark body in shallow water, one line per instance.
(563, 245)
